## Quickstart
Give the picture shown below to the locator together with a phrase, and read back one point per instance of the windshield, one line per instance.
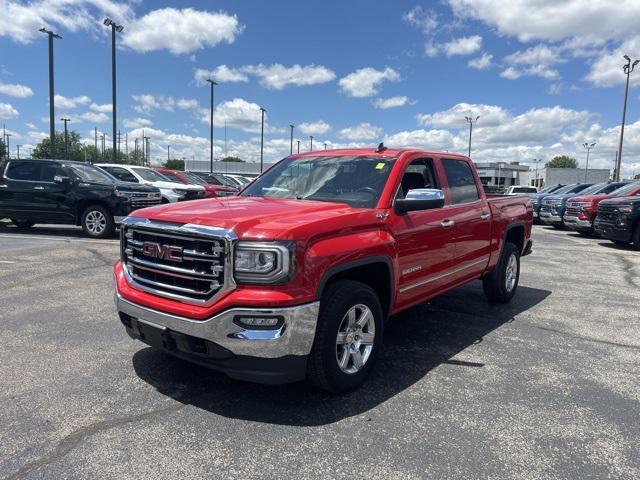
(625, 190)
(550, 189)
(356, 181)
(91, 174)
(225, 181)
(597, 188)
(193, 178)
(151, 175)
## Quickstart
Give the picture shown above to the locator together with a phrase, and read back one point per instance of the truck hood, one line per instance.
(256, 218)
(589, 198)
(621, 201)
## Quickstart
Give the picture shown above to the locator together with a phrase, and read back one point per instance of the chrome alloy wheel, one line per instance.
(511, 274)
(95, 222)
(354, 342)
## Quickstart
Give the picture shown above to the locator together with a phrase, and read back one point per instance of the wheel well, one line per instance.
(83, 205)
(515, 235)
(376, 275)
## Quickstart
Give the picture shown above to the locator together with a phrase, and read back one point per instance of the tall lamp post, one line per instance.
(213, 83)
(588, 146)
(66, 138)
(7, 135)
(471, 121)
(537, 160)
(298, 146)
(52, 116)
(262, 110)
(627, 68)
(311, 144)
(114, 28)
(292, 127)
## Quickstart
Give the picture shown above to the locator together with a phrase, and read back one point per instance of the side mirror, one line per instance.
(419, 199)
(61, 180)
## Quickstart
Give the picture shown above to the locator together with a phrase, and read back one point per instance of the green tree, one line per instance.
(637, 177)
(562, 161)
(232, 159)
(174, 164)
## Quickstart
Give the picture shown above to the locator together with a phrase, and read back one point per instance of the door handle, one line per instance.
(38, 188)
(485, 216)
(448, 223)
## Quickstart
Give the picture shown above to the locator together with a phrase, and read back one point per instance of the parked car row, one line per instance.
(610, 210)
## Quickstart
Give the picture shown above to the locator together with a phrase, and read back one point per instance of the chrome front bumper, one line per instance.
(546, 217)
(575, 222)
(295, 336)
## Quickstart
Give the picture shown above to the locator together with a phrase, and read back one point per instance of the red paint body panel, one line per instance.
(590, 212)
(426, 258)
(211, 191)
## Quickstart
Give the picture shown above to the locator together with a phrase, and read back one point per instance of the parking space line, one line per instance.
(58, 239)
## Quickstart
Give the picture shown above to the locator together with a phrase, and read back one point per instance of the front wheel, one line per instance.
(348, 337)
(501, 284)
(22, 224)
(97, 222)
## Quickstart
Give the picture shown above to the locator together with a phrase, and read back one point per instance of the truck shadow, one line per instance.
(416, 342)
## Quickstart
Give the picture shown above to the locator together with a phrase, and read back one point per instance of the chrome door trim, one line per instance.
(443, 275)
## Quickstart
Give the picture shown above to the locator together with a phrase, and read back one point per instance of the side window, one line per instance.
(172, 176)
(122, 174)
(23, 171)
(50, 170)
(462, 185)
(419, 174)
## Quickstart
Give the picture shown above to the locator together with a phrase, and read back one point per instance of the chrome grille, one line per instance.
(142, 200)
(196, 270)
(575, 208)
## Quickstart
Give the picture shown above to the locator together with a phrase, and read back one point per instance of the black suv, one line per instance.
(618, 219)
(66, 192)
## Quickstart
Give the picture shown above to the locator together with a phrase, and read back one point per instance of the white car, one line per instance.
(520, 189)
(171, 191)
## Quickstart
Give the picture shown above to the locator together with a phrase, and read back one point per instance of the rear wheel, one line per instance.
(501, 284)
(348, 337)
(97, 222)
(621, 242)
(22, 224)
(635, 237)
(585, 233)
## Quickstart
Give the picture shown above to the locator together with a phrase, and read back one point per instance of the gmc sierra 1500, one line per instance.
(295, 277)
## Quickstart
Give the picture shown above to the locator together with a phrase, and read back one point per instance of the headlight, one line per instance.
(625, 208)
(180, 192)
(262, 262)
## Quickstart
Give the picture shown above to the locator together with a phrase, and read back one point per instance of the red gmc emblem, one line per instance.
(162, 252)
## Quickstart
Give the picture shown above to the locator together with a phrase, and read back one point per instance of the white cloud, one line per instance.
(424, 20)
(181, 31)
(7, 111)
(553, 20)
(490, 115)
(392, 102)
(362, 132)
(147, 103)
(137, 122)
(104, 108)
(482, 62)
(237, 113)
(314, 128)
(463, 45)
(535, 61)
(187, 103)
(542, 71)
(68, 103)
(94, 117)
(221, 73)
(606, 70)
(15, 90)
(426, 139)
(278, 76)
(365, 82)
(68, 15)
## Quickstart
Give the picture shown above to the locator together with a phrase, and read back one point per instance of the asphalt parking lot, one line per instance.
(544, 388)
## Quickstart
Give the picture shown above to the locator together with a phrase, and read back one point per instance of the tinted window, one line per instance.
(462, 184)
(172, 176)
(50, 170)
(89, 173)
(121, 174)
(578, 188)
(524, 190)
(417, 175)
(150, 175)
(25, 171)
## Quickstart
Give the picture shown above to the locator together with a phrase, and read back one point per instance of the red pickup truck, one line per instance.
(294, 278)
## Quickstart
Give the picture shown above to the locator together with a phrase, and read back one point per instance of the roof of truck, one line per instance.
(374, 152)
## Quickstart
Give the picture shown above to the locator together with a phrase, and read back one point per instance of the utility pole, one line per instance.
(114, 28)
(588, 146)
(213, 83)
(66, 138)
(126, 145)
(95, 142)
(292, 127)
(148, 148)
(311, 148)
(627, 68)
(298, 146)
(262, 110)
(52, 116)
(7, 135)
(103, 142)
(168, 149)
(325, 145)
(537, 160)
(471, 121)
(135, 150)
(118, 141)
(225, 139)
(18, 148)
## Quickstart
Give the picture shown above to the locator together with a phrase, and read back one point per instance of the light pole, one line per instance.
(135, 150)
(52, 116)
(18, 148)
(499, 173)
(292, 127)
(627, 68)
(471, 121)
(311, 144)
(298, 146)
(325, 145)
(213, 83)
(262, 110)
(7, 135)
(66, 138)
(102, 154)
(168, 150)
(537, 160)
(114, 28)
(588, 146)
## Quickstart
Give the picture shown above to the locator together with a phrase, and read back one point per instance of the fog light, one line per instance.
(259, 323)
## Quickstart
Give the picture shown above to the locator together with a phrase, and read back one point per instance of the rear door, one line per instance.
(470, 218)
(22, 190)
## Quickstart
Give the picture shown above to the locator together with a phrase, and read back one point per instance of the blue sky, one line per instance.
(543, 80)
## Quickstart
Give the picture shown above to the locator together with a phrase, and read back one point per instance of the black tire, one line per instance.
(22, 224)
(635, 236)
(620, 242)
(97, 222)
(585, 233)
(495, 284)
(323, 369)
